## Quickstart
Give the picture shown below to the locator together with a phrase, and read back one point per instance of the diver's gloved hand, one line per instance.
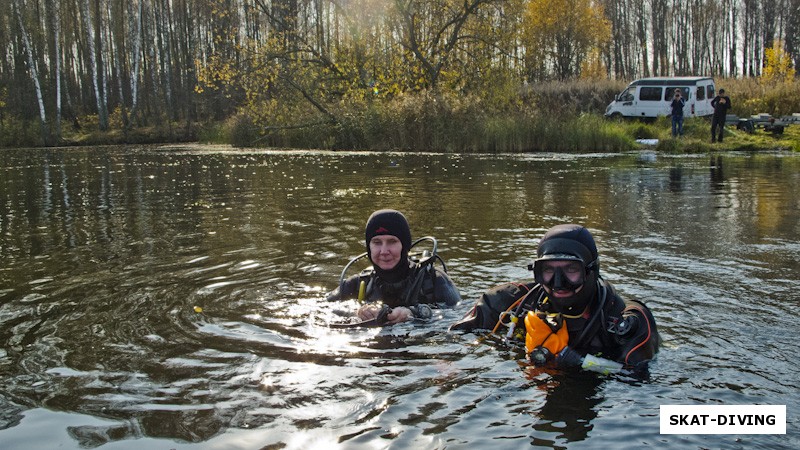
(568, 357)
(421, 311)
(545, 337)
(372, 311)
(398, 314)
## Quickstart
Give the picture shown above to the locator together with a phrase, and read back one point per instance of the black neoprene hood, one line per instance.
(569, 242)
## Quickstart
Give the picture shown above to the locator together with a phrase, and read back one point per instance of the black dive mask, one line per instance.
(570, 277)
(567, 277)
(567, 258)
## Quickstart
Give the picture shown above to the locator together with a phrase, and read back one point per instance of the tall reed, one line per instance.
(551, 116)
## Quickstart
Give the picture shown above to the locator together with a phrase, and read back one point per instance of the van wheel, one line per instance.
(616, 117)
(746, 126)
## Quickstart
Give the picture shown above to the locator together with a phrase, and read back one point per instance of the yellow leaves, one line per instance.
(581, 20)
(777, 64)
(593, 67)
(215, 74)
(564, 32)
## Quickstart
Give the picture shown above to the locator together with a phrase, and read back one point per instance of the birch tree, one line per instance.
(32, 66)
(136, 55)
(55, 24)
(96, 74)
(430, 31)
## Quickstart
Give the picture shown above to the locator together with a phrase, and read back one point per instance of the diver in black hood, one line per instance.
(569, 315)
(397, 287)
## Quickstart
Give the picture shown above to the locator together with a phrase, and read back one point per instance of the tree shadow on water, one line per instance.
(569, 408)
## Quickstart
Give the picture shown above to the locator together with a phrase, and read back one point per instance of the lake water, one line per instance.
(170, 297)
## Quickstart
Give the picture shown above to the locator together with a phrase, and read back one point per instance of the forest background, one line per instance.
(447, 75)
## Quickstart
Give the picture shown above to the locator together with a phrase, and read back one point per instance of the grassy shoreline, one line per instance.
(553, 117)
(586, 133)
(697, 138)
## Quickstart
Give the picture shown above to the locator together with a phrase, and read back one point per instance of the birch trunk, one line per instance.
(165, 56)
(115, 50)
(56, 15)
(32, 67)
(101, 62)
(87, 20)
(137, 61)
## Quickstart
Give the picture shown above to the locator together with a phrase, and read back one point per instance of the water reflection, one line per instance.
(569, 408)
(153, 295)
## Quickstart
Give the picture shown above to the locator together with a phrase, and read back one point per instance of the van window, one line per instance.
(710, 91)
(652, 94)
(701, 92)
(671, 91)
(627, 95)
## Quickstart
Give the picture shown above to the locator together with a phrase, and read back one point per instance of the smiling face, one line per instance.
(385, 251)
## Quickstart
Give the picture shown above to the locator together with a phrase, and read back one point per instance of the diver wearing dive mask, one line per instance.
(567, 269)
(570, 313)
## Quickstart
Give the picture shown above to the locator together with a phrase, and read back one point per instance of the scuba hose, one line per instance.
(412, 292)
(519, 307)
(522, 305)
(600, 313)
(647, 337)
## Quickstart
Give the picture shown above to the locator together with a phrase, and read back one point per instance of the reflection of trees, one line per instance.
(190, 426)
(114, 204)
(114, 230)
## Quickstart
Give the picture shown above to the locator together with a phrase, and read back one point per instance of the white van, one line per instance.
(651, 97)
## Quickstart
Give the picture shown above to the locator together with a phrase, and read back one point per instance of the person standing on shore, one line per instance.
(721, 105)
(677, 113)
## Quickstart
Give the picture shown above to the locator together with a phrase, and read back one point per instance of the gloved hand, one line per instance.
(544, 337)
(375, 311)
(569, 358)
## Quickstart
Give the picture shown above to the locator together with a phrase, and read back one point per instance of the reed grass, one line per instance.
(751, 96)
(551, 116)
(448, 123)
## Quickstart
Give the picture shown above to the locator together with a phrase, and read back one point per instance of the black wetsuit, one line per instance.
(424, 284)
(622, 330)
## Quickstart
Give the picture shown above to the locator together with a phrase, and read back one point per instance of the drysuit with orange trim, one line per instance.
(612, 327)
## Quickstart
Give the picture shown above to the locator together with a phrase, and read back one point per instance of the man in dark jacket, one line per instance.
(571, 316)
(721, 105)
(677, 113)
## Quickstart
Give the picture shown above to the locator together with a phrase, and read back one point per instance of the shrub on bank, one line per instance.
(444, 122)
(16, 132)
(571, 98)
(751, 96)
